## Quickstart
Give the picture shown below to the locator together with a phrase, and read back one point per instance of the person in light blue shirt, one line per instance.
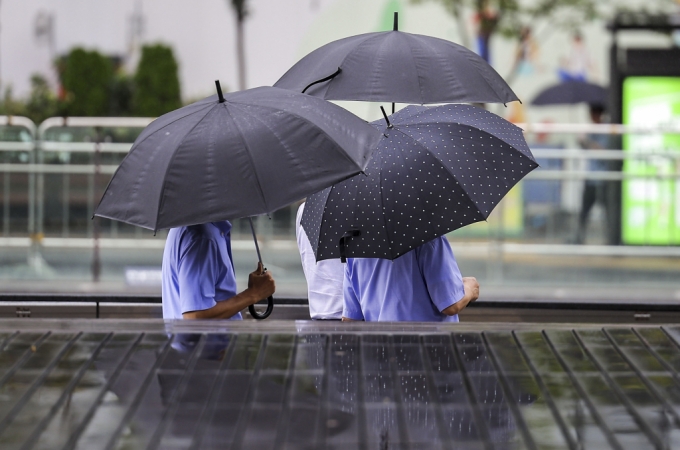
(198, 279)
(423, 285)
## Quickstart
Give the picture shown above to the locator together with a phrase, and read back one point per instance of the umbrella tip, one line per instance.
(219, 91)
(389, 125)
(396, 21)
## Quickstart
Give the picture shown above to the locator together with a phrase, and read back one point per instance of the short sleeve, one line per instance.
(441, 273)
(351, 307)
(197, 274)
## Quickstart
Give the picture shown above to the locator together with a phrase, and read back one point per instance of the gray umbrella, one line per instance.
(243, 154)
(571, 93)
(436, 169)
(394, 66)
(251, 153)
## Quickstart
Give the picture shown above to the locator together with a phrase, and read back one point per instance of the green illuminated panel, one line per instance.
(651, 208)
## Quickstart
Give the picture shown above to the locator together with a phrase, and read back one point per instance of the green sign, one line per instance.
(651, 205)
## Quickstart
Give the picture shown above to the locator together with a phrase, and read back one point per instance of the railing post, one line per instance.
(96, 262)
(36, 186)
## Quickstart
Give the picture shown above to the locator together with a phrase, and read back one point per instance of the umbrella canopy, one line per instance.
(436, 169)
(247, 153)
(571, 93)
(394, 66)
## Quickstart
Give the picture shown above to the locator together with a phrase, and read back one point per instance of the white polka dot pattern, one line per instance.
(438, 169)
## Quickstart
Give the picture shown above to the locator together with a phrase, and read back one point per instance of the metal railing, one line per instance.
(60, 168)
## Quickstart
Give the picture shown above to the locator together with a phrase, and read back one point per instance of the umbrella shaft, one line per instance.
(257, 247)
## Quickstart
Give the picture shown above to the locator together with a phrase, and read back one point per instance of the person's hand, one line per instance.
(261, 283)
(471, 293)
(471, 287)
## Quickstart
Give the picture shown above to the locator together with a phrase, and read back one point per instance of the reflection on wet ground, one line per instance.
(538, 389)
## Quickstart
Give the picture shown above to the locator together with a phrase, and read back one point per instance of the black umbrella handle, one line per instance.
(266, 313)
(329, 77)
(343, 242)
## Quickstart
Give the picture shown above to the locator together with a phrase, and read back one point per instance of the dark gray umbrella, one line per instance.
(571, 93)
(243, 154)
(252, 153)
(394, 66)
(436, 169)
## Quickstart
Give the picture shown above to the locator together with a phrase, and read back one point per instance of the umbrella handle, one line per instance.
(343, 240)
(329, 77)
(266, 313)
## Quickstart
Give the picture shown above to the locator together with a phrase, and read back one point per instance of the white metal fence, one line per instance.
(54, 174)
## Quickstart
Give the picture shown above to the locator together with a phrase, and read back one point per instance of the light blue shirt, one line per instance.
(197, 269)
(415, 287)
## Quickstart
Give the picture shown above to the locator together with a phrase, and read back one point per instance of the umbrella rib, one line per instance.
(420, 80)
(336, 145)
(366, 37)
(382, 201)
(170, 123)
(250, 157)
(165, 174)
(483, 77)
(481, 74)
(104, 216)
(434, 155)
(136, 144)
(519, 155)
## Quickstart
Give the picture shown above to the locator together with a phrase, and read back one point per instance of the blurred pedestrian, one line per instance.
(578, 65)
(595, 191)
(423, 285)
(526, 56)
(324, 278)
(198, 275)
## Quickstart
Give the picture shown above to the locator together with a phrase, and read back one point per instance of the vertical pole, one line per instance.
(36, 183)
(65, 194)
(96, 263)
(31, 201)
(40, 198)
(240, 49)
(5, 199)
(613, 193)
(0, 79)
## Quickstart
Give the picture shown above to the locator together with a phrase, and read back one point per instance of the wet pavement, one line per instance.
(290, 385)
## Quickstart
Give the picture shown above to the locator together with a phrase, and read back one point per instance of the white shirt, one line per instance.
(324, 278)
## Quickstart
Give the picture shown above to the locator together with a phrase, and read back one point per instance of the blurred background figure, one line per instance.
(577, 65)
(526, 56)
(595, 191)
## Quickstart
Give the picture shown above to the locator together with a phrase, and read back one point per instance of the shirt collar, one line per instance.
(224, 226)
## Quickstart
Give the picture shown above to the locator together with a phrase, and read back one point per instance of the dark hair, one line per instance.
(596, 108)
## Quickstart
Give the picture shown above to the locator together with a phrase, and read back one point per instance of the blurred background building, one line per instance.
(79, 80)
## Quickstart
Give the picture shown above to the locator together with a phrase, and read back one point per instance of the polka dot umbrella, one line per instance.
(435, 169)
